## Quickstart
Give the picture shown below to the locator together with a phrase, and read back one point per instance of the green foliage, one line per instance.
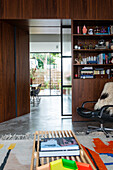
(41, 57)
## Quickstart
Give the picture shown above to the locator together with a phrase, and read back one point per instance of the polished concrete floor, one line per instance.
(47, 116)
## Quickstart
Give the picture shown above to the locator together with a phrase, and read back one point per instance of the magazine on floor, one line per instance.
(66, 146)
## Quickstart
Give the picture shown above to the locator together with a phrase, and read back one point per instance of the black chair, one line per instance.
(101, 115)
(34, 93)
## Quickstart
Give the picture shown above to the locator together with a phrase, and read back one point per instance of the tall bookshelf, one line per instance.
(92, 60)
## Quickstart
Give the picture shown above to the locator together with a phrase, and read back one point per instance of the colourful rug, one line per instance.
(16, 157)
(99, 150)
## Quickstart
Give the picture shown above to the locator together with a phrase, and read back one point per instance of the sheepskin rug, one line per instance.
(106, 98)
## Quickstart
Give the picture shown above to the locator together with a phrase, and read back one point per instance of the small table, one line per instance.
(56, 134)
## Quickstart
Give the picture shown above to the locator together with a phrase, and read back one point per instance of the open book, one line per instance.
(66, 146)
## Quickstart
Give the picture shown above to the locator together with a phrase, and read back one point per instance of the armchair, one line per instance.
(102, 114)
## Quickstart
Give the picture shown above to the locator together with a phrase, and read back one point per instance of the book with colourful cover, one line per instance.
(66, 146)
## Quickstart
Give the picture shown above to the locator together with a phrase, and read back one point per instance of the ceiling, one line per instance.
(48, 26)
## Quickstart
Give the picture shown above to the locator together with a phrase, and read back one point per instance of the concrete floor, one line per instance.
(47, 116)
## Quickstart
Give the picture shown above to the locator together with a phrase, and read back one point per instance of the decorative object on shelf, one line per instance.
(84, 60)
(85, 46)
(103, 30)
(78, 30)
(76, 46)
(80, 45)
(84, 30)
(76, 61)
(100, 45)
(96, 30)
(90, 31)
(111, 44)
(76, 75)
(107, 44)
(111, 28)
(90, 46)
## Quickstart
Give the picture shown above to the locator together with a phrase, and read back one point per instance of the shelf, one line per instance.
(92, 50)
(94, 35)
(93, 65)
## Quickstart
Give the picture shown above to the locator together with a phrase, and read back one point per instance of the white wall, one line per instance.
(45, 47)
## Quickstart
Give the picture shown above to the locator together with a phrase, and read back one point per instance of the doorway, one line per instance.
(50, 53)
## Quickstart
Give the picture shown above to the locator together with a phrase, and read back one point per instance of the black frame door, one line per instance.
(63, 57)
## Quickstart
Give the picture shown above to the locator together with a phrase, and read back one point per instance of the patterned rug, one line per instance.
(16, 154)
(99, 149)
(16, 157)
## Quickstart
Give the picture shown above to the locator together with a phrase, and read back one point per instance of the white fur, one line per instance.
(108, 88)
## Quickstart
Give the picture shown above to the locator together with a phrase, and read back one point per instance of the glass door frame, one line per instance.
(63, 86)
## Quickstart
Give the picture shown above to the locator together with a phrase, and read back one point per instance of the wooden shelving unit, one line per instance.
(84, 89)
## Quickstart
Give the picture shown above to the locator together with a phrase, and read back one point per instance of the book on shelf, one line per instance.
(85, 76)
(66, 146)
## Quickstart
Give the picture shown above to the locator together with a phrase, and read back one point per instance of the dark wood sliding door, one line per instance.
(8, 71)
(22, 68)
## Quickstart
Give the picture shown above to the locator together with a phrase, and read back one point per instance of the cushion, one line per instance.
(106, 98)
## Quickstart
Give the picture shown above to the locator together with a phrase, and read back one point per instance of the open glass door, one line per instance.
(66, 62)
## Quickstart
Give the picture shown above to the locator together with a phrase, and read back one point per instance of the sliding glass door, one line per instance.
(66, 96)
(47, 72)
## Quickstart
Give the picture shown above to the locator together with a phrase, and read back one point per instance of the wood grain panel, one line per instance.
(1, 9)
(92, 9)
(64, 7)
(79, 9)
(103, 9)
(23, 85)
(12, 9)
(84, 90)
(73, 9)
(8, 85)
(40, 9)
(1, 92)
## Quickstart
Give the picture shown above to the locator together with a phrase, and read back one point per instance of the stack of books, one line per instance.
(99, 71)
(52, 147)
(86, 72)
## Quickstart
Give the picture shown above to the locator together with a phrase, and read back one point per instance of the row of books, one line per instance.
(50, 147)
(103, 58)
(89, 72)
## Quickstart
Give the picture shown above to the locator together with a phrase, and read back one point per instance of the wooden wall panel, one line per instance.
(79, 9)
(84, 90)
(8, 74)
(12, 9)
(1, 91)
(40, 9)
(23, 85)
(103, 9)
(73, 9)
(64, 9)
(1, 9)
(92, 9)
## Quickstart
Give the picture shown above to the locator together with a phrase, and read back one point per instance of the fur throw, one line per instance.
(106, 98)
